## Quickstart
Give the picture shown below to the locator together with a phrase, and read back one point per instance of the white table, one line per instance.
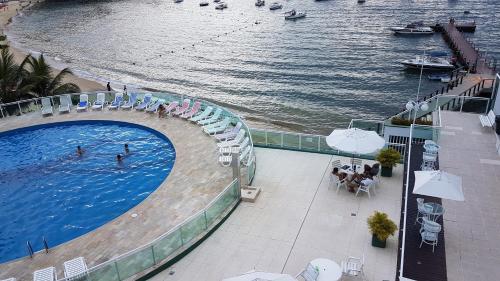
(328, 269)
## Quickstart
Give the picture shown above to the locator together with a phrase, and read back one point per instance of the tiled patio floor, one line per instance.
(297, 218)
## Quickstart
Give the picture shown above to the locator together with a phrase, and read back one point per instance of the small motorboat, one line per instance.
(414, 28)
(260, 3)
(203, 3)
(442, 77)
(178, 1)
(217, 1)
(275, 6)
(361, 1)
(292, 15)
(221, 6)
(428, 63)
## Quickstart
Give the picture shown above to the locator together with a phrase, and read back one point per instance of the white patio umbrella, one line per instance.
(355, 141)
(438, 184)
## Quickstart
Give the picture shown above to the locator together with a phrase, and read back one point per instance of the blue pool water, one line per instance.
(47, 190)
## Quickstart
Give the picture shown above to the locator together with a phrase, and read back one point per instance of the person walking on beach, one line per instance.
(124, 89)
(108, 87)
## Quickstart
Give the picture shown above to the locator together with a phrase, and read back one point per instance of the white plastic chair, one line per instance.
(366, 188)
(99, 102)
(353, 267)
(84, 102)
(234, 142)
(310, 273)
(356, 162)
(430, 233)
(336, 164)
(47, 107)
(132, 99)
(117, 102)
(428, 161)
(64, 103)
(75, 268)
(46, 274)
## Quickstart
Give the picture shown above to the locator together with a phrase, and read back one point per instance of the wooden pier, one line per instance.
(466, 52)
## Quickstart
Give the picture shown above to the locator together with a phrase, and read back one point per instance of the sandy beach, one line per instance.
(11, 10)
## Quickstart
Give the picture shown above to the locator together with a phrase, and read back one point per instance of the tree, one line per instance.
(40, 77)
(12, 77)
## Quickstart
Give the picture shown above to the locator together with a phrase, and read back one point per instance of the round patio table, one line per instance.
(328, 269)
(433, 210)
(431, 147)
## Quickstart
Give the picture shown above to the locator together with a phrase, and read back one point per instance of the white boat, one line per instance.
(414, 28)
(217, 1)
(260, 3)
(221, 6)
(275, 6)
(428, 63)
(178, 1)
(291, 15)
(203, 3)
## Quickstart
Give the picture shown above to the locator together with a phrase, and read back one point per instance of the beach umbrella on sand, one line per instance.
(438, 184)
(355, 141)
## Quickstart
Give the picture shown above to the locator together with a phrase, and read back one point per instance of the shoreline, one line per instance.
(11, 10)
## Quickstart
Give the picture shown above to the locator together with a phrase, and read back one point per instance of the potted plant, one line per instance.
(388, 158)
(381, 228)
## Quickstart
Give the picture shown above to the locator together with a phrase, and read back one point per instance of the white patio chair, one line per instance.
(99, 102)
(46, 274)
(75, 268)
(84, 103)
(310, 273)
(336, 164)
(356, 162)
(336, 182)
(46, 107)
(366, 187)
(422, 212)
(428, 161)
(430, 233)
(353, 267)
(64, 103)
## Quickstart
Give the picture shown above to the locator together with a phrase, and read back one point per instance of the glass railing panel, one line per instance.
(258, 137)
(135, 263)
(274, 139)
(11, 109)
(193, 228)
(474, 105)
(218, 207)
(167, 245)
(309, 143)
(291, 141)
(324, 147)
(105, 272)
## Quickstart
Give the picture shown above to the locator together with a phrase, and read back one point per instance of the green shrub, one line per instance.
(381, 226)
(388, 157)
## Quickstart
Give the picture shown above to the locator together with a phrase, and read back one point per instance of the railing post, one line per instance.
(265, 133)
(19, 106)
(462, 104)
(1, 110)
(319, 143)
(300, 142)
(281, 134)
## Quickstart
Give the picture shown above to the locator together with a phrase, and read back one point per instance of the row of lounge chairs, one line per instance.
(211, 119)
(75, 269)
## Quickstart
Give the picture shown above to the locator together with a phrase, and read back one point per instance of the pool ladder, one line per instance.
(30, 248)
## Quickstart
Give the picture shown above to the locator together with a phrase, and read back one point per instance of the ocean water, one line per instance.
(309, 75)
(47, 190)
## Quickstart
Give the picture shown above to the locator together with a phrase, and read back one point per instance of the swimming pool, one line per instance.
(47, 190)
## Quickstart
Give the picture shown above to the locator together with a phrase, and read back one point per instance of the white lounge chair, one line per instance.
(194, 110)
(310, 273)
(226, 160)
(353, 267)
(46, 274)
(234, 142)
(202, 115)
(132, 99)
(64, 103)
(47, 107)
(180, 110)
(99, 102)
(75, 268)
(117, 102)
(84, 103)
(230, 134)
(213, 119)
(218, 127)
(234, 149)
(487, 120)
(154, 107)
(144, 104)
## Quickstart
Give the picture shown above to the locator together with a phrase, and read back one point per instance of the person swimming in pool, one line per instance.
(126, 148)
(79, 150)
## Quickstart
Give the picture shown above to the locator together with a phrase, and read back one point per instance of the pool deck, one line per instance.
(194, 181)
(296, 219)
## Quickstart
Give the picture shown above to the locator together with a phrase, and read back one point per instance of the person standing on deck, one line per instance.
(108, 87)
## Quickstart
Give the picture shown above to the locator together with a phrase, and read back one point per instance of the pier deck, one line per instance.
(467, 54)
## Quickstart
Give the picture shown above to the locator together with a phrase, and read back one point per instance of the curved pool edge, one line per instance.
(91, 122)
(215, 176)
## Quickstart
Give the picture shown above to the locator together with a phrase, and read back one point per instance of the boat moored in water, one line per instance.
(428, 63)
(178, 1)
(292, 15)
(414, 28)
(203, 3)
(260, 3)
(221, 6)
(361, 1)
(275, 6)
